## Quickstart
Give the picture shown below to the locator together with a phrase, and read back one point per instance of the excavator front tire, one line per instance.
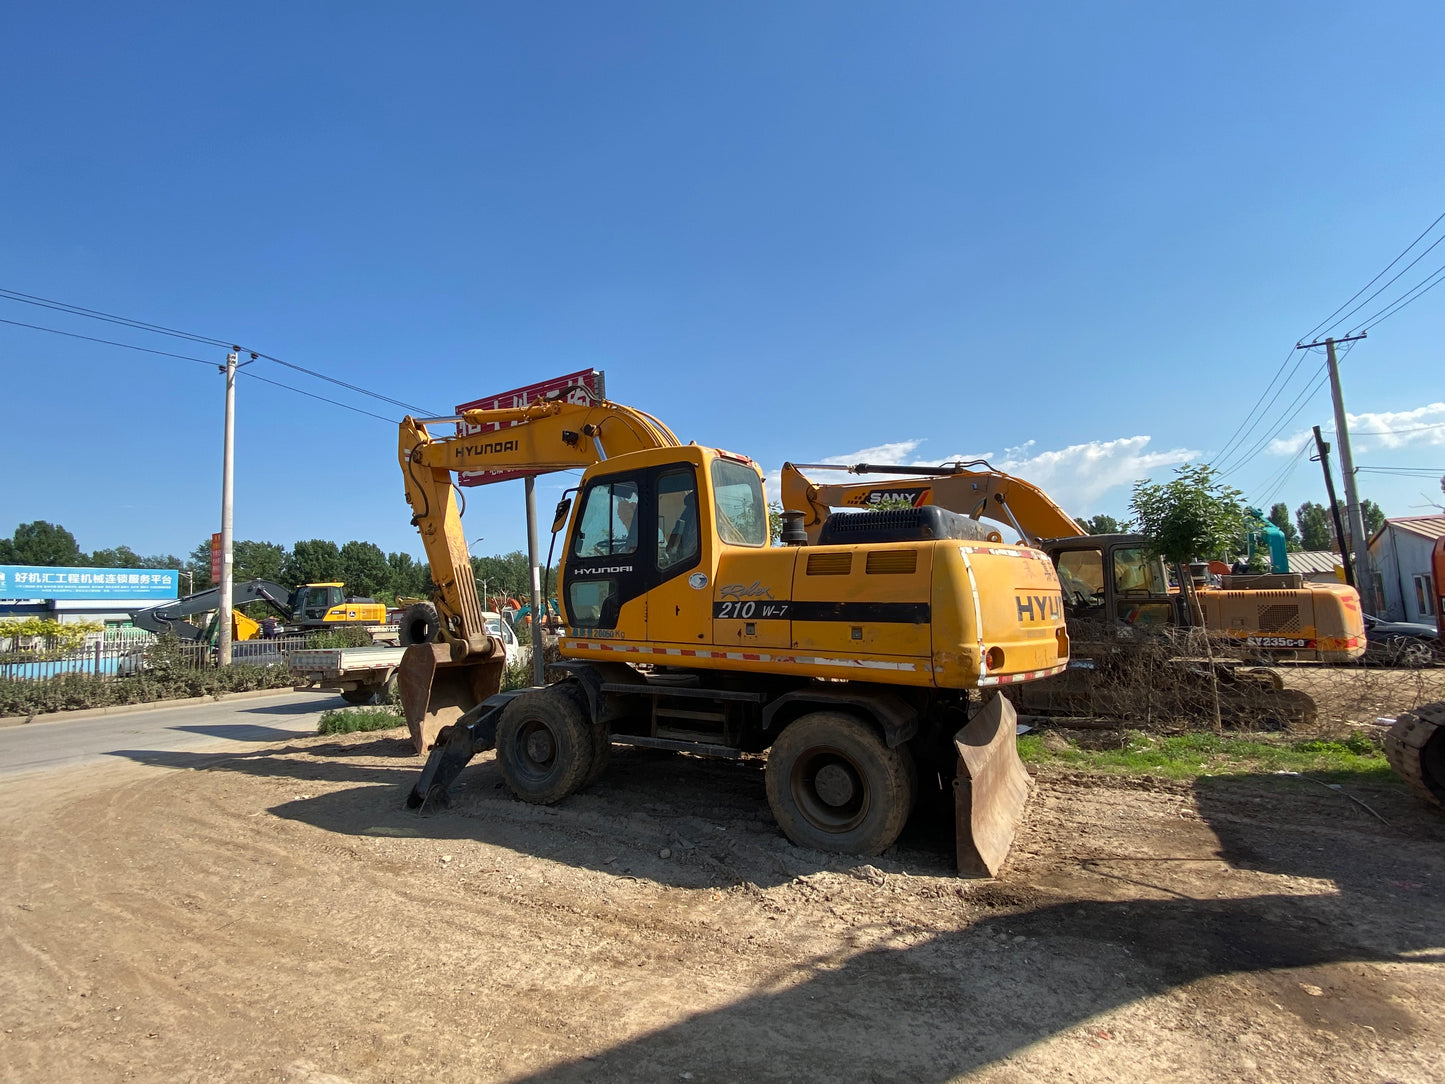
(835, 786)
(544, 745)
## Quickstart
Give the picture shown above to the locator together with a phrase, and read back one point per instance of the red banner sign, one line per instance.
(216, 557)
(572, 385)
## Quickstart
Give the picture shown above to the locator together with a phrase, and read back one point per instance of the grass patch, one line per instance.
(357, 720)
(1187, 756)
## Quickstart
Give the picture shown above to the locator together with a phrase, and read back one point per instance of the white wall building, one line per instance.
(1400, 562)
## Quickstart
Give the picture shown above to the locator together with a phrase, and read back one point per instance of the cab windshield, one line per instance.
(742, 518)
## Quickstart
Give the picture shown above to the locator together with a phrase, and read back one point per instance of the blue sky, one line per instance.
(1077, 238)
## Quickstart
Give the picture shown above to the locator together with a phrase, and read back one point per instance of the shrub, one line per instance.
(355, 720)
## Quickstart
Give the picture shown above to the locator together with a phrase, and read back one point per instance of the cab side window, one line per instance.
(677, 526)
(1081, 575)
(608, 524)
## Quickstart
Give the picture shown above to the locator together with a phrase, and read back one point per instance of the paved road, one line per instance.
(213, 727)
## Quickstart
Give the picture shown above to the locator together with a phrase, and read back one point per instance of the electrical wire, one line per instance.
(111, 342)
(160, 329)
(1316, 381)
(313, 395)
(1281, 477)
(1311, 333)
(1224, 451)
(1382, 289)
(96, 314)
(1405, 299)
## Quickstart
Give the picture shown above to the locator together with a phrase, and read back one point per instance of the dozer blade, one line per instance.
(991, 790)
(436, 692)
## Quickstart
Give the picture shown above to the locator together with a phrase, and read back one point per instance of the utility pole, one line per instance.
(1324, 461)
(1364, 583)
(539, 666)
(223, 644)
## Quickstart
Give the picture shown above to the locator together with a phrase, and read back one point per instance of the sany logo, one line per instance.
(915, 496)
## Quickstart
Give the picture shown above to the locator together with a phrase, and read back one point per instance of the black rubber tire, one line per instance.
(544, 746)
(420, 624)
(364, 695)
(601, 736)
(872, 785)
(1415, 748)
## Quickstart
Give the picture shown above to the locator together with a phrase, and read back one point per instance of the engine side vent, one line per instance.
(1283, 618)
(892, 562)
(830, 564)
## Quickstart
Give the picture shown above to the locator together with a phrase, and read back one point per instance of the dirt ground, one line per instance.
(277, 915)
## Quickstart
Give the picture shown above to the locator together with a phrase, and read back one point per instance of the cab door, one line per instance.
(680, 597)
(604, 577)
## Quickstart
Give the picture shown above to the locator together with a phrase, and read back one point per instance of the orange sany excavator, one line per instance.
(866, 663)
(1116, 593)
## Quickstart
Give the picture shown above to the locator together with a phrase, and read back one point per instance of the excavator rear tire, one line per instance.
(544, 746)
(835, 786)
(1415, 747)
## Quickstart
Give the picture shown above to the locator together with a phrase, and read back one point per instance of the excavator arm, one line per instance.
(982, 494)
(551, 434)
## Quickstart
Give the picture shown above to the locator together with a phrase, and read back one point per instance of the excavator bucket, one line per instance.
(436, 692)
(991, 789)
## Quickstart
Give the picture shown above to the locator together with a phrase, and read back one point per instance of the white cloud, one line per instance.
(1076, 477)
(1423, 427)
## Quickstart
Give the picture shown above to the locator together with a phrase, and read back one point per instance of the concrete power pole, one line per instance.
(223, 645)
(1364, 582)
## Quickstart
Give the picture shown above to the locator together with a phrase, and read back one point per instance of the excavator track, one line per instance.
(1415, 747)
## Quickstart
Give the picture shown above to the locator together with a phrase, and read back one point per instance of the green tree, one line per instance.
(125, 557)
(198, 564)
(1101, 524)
(504, 574)
(1194, 517)
(41, 543)
(408, 577)
(364, 569)
(313, 561)
(255, 560)
(1279, 516)
(1315, 529)
(1374, 516)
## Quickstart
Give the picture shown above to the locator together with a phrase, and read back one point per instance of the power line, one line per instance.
(198, 361)
(1237, 431)
(1382, 289)
(1392, 432)
(160, 329)
(96, 314)
(1221, 460)
(109, 342)
(1405, 299)
(419, 411)
(1311, 333)
(1298, 403)
(313, 395)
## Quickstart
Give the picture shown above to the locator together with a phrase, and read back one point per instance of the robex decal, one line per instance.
(1039, 607)
(738, 591)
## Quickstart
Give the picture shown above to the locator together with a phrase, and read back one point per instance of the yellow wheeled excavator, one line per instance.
(1117, 598)
(866, 663)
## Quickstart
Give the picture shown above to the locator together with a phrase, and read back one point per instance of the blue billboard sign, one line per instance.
(87, 584)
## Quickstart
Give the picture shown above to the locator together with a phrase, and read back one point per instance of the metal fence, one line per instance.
(124, 653)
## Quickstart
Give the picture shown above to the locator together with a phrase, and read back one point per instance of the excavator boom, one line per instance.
(551, 434)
